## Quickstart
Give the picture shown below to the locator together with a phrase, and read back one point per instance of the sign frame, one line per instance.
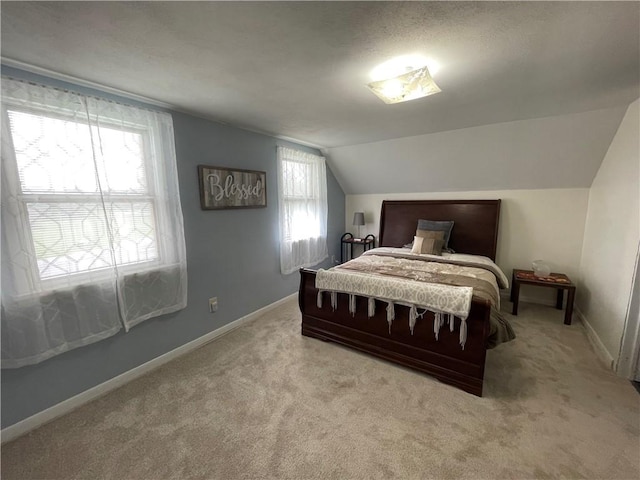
(223, 188)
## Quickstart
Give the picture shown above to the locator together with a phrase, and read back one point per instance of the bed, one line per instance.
(363, 324)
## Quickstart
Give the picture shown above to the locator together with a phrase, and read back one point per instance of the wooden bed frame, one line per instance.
(475, 231)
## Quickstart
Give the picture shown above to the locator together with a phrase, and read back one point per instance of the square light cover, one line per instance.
(408, 86)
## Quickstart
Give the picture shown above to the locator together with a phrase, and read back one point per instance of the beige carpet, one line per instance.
(265, 402)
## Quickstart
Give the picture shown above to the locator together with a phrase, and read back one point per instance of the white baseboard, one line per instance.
(601, 351)
(24, 426)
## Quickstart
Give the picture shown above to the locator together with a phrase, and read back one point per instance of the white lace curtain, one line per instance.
(302, 203)
(92, 229)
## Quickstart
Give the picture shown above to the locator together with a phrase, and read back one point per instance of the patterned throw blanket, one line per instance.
(417, 281)
(462, 259)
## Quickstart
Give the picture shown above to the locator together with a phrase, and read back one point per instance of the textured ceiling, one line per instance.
(299, 69)
(532, 92)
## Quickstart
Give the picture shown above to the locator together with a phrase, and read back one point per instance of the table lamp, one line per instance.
(358, 219)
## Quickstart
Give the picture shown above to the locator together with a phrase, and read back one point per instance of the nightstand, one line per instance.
(347, 242)
(558, 281)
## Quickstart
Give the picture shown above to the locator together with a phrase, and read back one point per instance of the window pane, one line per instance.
(73, 237)
(123, 161)
(304, 220)
(134, 232)
(55, 156)
(298, 179)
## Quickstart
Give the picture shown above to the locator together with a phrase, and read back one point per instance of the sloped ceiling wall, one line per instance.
(553, 152)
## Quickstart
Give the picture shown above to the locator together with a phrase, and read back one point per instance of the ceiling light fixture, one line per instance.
(402, 79)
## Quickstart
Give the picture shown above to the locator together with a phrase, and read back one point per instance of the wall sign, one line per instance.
(226, 188)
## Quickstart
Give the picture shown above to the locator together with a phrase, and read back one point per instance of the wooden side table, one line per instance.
(347, 242)
(558, 281)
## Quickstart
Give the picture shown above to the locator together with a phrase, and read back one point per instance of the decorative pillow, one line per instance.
(432, 246)
(435, 234)
(445, 226)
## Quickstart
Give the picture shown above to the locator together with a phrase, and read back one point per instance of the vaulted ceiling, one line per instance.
(298, 70)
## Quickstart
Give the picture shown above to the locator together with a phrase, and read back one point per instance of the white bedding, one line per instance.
(455, 258)
(396, 275)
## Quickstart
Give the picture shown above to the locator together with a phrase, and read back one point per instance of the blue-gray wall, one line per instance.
(231, 254)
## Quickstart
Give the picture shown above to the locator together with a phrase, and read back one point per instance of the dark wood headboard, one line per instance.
(475, 228)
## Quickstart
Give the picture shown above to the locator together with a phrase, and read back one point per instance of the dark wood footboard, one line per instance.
(443, 359)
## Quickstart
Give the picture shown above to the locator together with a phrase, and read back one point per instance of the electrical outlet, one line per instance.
(213, 304)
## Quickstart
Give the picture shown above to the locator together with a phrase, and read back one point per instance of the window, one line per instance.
(302, 196)
(92, 228)
(64, 192)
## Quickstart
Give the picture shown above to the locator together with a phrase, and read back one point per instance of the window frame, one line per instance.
(23, 224)
(293, 198)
